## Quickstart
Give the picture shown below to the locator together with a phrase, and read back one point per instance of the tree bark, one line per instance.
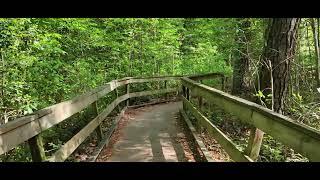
(279, 50)
(3, 118)
(274, 76)
(316, 47)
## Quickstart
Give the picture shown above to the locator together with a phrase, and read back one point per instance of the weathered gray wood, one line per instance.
(188, 94)
(301, 138)
(152, 92)
(128, 92)
(200, 102)
(23, 120)
(59, 112)
(205, 76)
(50, 116)
(254, 143)
(117, 95)
(14, 137)
(223, 84)
(200, 99)
(197, 139)
(36, 148)
(92, 96)
(67, 108)
(64, 152)
(96, 113)
(27, 127)
(173, 77)
(222, 139)
(165, 87)
(150, 103)
(151, 79)
(184, 91)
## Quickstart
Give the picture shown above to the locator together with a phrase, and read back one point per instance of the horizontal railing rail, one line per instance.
(221, 138)
(24, 128)
(65, 151)
(300, 137)
(198, 77)
(29, 127)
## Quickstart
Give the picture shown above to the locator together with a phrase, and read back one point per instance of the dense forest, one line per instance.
(273, 62)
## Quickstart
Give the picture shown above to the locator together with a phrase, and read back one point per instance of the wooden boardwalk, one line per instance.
(152, 134)
(155, 134)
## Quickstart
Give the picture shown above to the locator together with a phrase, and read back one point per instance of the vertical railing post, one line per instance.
(254, 143)
(128, 92)
(200, 102)
(223, 83)
(96, 113)
(36, 148)
(188, 94)
(158, 95)
(200, 99)
(117, 95)
(184, 93)
(165, 87)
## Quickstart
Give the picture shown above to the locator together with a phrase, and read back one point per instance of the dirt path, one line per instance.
(149, 134)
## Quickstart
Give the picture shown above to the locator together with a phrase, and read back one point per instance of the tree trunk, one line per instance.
(281, 35)
(316, 47)
(241, 63)
(3, 118)
(279, 50)
(140, 55)
(318, 21)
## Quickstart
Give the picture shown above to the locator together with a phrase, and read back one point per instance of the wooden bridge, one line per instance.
(151, 136)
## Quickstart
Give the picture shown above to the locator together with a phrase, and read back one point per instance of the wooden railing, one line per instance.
(303, 139)
(30, 127)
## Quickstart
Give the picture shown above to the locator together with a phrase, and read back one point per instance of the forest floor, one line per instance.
(148, 134)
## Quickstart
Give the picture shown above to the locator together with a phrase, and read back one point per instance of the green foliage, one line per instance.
(44, 61)
(271, 150)
(274, 151)
(260, 94)
(19, 154)
(304, 112)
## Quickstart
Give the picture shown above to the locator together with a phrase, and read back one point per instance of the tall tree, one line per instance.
(278, 52)
(315, 31)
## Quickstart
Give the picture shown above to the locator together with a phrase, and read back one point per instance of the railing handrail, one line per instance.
(112, 84)
(47, 117)
(39, 113)
(205, 76)
(302, 138)
(23, 128)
